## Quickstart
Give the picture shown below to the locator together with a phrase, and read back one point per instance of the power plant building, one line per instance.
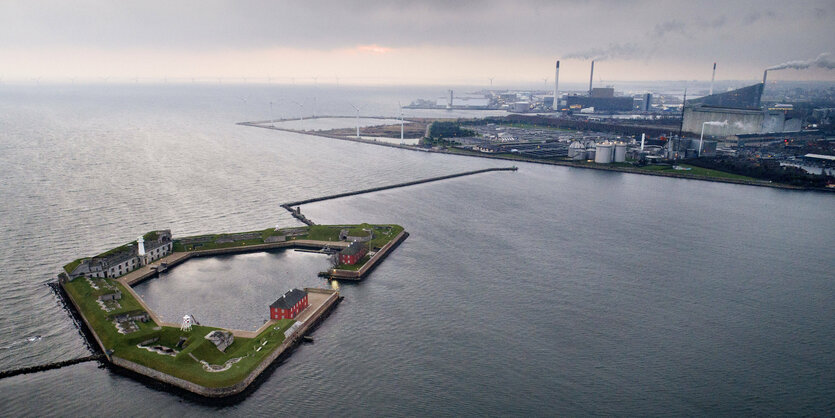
(737, 112)
(608, 104)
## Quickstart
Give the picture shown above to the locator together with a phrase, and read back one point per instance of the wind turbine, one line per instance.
(358, 120)
(491, 81)
(301, 118)
(401, 121)
(272, 115)
(244, 100)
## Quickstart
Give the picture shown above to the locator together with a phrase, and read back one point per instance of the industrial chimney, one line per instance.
(556, 105)
(591, 77)
(713, 77)
(762, 91)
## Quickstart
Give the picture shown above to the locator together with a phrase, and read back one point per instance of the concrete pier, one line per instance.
(289, 205)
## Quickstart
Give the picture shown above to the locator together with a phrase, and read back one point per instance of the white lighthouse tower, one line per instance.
(140, 242)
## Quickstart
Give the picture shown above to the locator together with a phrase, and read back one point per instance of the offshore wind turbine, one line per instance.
(301, 118)
(401, 121)
(358, 120)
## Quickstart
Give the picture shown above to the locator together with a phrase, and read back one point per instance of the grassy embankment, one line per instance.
(382, 235)
(694, 171)
(182, 365)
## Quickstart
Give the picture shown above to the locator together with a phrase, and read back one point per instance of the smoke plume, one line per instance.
(613, 51)
(824, 60)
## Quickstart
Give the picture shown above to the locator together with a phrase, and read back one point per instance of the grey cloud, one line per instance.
(634, 29)
(665, 28)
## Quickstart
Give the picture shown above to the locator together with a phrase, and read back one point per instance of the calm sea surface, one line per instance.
(547, 291)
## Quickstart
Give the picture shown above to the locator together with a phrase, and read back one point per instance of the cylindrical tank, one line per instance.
(590, 153)
(604, 153)
(576, 150)
(620, 152)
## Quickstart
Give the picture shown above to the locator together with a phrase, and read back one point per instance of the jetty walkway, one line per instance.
(394, 186)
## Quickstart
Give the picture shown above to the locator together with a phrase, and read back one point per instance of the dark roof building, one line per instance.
(353, 249)
(744, 98)
(289, 299)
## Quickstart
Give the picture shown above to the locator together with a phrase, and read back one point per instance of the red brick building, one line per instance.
(289, 305)
(353, 254)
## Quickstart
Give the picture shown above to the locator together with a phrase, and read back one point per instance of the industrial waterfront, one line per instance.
(641, 295)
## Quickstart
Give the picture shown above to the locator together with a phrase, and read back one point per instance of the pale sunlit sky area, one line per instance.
(418, 42)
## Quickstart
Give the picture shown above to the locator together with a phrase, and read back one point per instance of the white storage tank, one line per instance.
(604, 152)
(577, 151)
(620, 152)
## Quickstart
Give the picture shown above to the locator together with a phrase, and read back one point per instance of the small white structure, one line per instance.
(141, 246)
(188, 321)
(577, 151)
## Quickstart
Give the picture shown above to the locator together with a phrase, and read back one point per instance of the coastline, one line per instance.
(603, 167)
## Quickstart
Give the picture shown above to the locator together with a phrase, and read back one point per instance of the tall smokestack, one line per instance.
(591, 77)
(556, 105)
(713, 77)
(762, 91)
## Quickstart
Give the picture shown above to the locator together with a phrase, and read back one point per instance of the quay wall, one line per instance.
(87, 324)
(309, 244)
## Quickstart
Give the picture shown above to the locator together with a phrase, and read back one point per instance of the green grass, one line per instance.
(118, 249)
(182, 365)
(211, 245)
(696, 171)
(71, 266)
(382, 233)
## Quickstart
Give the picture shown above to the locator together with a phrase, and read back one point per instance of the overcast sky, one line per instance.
(411, 41)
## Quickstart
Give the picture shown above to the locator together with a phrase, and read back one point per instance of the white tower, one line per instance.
(188, 321)
(141, 242)
(556, 105)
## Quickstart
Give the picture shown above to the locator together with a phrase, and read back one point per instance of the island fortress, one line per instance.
(121, 260)
(207, 360)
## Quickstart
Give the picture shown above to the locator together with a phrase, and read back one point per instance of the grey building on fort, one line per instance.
(118, 261)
